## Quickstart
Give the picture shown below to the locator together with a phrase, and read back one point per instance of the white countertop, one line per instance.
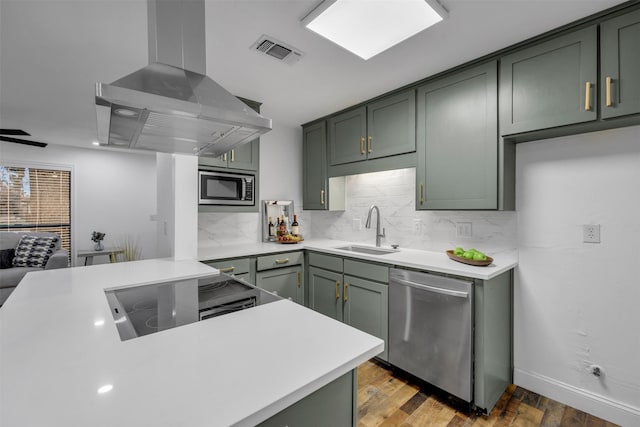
(412, 258)
(59, 345)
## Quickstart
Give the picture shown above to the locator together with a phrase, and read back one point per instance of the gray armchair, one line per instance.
(11, 276)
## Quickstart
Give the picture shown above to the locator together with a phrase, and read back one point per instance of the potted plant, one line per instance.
(97, 238)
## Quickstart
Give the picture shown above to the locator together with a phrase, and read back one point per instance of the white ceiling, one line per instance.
(53, 51)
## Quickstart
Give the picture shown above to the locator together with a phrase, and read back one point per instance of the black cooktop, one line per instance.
(151, 308)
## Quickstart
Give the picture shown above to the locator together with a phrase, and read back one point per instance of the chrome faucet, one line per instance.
(368, 224)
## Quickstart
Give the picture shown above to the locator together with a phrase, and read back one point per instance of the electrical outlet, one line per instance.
(591, 233)
(463, 229)
(356, 224)
(417, 226)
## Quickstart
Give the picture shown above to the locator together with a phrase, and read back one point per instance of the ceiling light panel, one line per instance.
(368, 27)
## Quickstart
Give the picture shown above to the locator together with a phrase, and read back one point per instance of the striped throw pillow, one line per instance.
(33, 251)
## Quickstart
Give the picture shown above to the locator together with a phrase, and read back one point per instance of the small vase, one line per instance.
(98, 246)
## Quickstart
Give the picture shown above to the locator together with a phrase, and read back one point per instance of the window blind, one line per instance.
(33, 199)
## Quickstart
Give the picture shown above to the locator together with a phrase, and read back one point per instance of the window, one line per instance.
(33, 199)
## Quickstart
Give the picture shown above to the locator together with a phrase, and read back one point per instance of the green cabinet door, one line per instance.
(219, 161)
(347, 132)
(366, 308)
(458, 141)
(550, 84)
(333, 405)
(620, 65)
(325, 292)
(391, 125)
(245, 156)
(314, 171)
(286, 282)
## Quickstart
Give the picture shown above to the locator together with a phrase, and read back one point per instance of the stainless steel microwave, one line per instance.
(226, 188)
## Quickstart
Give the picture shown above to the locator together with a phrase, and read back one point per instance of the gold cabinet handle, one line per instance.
(421, 193)
(299, 279)
(369, 144)
(344, 292)
(362, 145)
(282, 261)
(337, 289)
(608, 92)
(226, 269)
(322, 197)
(233, 155)
(224, 157)
(587, 96)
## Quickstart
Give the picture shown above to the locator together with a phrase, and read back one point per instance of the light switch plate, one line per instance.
(591, 233)
(463, 229)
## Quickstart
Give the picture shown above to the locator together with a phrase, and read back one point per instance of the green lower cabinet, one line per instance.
(333, 405)
(458, 141)
(620, 65)
(366, 308)
(325, 291)
(286, 282)
(242, 268)
(361, 302)
(493, 339)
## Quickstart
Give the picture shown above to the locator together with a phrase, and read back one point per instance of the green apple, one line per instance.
(458, 251)
(479, 256)
(468, 254)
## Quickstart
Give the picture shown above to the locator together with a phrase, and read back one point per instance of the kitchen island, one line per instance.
(62, 362)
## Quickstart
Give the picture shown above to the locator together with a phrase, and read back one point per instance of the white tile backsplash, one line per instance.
(393, 192)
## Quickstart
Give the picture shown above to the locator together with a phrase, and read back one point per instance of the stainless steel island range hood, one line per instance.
(170, 105)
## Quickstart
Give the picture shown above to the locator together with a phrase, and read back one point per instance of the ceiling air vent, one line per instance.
(277, 50)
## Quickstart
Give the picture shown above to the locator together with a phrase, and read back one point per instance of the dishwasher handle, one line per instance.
(437, 290)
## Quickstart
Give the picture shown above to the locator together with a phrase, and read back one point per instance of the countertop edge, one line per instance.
(444, 265)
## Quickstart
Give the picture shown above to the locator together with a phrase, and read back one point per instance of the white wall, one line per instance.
(112, 192)
(280, 179)
(576, 304)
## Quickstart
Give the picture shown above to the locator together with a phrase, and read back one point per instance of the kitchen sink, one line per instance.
(367, 250)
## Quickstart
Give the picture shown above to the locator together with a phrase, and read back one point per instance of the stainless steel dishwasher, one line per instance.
(430, 329)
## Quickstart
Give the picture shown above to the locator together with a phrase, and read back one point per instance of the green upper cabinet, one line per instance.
(458, 141)
(314, 156)
(347, 133)
(550, 84)
(391, 125)
(245, 156)
(620, 65)
(382, 128)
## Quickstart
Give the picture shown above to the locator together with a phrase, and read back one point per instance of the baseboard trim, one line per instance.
(600, 406)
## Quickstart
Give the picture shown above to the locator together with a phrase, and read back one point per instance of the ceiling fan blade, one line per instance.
(23, 141)
(15, 132)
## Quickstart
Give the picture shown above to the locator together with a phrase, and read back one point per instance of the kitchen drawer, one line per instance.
(325, 261)
(232, 266)
(366, 270)
(280, 260)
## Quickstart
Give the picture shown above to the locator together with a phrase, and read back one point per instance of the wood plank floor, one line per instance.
(386, 400)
